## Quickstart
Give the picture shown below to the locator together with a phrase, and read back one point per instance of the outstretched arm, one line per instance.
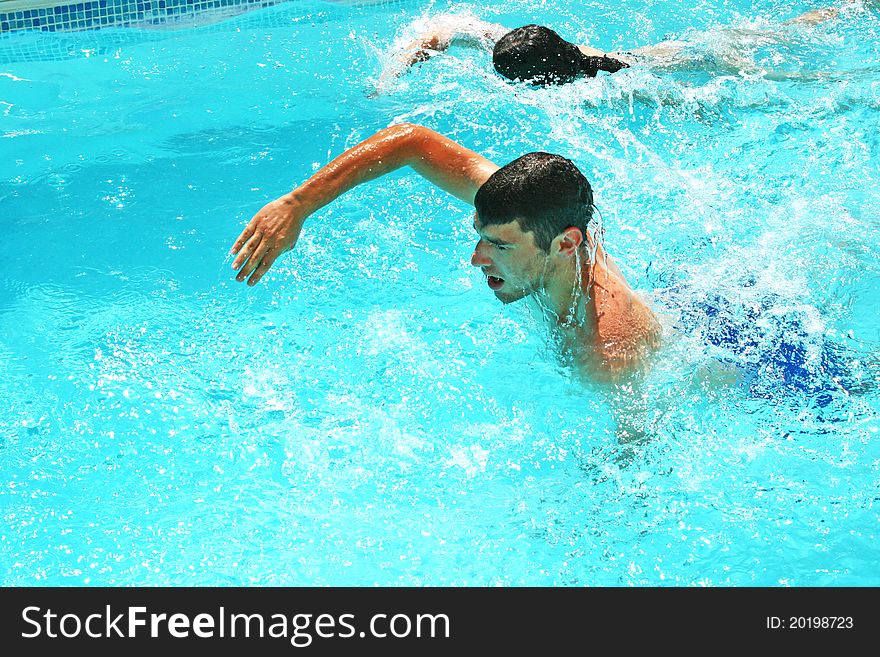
(443, 31)
(670, 55)
(276, 227)
(817, 16)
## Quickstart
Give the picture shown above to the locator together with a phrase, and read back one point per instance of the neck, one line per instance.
(567, 293)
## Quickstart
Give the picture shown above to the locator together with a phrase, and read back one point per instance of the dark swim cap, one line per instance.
(537, 54)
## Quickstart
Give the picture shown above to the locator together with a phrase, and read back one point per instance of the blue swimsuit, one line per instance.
(772, 348)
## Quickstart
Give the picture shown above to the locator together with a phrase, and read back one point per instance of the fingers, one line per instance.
(251, 246)
(244, 237)
(272, 231)
(267, 261)
(251, 256)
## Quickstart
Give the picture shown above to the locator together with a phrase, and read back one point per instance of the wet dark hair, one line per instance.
(537, 54)
(543, 192)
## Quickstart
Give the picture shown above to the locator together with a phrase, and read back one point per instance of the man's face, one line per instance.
(513, 264)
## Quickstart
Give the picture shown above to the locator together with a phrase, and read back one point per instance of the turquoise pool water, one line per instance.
(369, 414)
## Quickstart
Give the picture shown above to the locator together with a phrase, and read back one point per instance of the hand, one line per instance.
(415, 55)
(272, 231)
(386, 80)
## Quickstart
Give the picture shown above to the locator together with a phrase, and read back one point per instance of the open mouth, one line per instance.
(495, 283)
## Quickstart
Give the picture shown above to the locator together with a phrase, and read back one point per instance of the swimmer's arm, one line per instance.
(628, 407)
(818, 16)
(622, 381)
(629, 410)
(665, 55)
(796, 76)
(814, 17)
(443, 33)
(276, 227)
(449, 30)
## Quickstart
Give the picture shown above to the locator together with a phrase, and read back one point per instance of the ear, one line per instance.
(568, 242)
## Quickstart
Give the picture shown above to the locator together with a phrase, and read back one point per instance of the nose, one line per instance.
(479, 257)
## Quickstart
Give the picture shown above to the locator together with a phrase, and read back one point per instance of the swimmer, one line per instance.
(534, 220)
(538, 55)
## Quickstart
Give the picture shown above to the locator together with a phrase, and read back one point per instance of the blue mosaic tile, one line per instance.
(95, 14)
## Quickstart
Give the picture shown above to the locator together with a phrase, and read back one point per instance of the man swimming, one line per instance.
(538, 55)
(533, 217)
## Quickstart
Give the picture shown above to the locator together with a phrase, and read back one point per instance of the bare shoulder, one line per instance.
(627, 330)
(590, 51)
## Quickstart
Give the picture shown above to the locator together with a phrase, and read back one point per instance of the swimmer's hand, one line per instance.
(272, 231)
(398, 67)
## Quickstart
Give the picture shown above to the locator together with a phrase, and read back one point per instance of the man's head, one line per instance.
(531, 210)
(537, 54)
